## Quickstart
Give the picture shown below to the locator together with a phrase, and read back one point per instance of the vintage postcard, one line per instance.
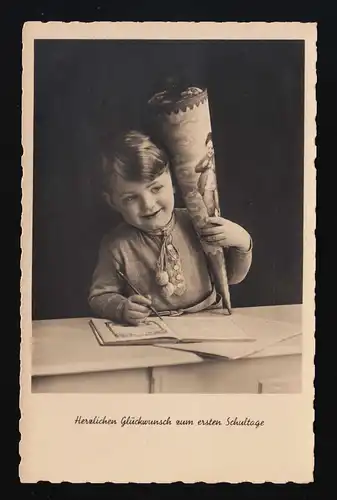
(168, 252)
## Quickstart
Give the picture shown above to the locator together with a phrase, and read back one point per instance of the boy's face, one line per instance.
(146, 205)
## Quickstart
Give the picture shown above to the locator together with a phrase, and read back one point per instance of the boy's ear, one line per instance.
(107, 198)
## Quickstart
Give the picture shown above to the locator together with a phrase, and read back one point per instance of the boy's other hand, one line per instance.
(225, 233)
(136, 309)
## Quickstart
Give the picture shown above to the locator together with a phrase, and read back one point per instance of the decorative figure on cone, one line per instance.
(207, 185)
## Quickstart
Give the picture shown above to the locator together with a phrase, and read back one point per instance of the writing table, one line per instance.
(66, 358)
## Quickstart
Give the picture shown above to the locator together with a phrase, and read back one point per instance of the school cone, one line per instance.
(183, 124)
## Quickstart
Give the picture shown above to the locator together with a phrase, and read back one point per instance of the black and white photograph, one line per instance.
(170, 234)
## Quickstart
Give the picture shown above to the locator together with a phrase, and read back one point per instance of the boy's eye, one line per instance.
(129, 199)
(156, 189)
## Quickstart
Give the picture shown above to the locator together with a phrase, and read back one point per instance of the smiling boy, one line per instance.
(156, 247)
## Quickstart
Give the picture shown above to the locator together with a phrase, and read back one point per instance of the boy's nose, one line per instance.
(148, 203)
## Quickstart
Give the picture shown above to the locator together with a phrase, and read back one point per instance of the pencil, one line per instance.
(136, 291)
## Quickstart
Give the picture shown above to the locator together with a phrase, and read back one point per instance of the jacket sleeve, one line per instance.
(106, 297)
(238, 263)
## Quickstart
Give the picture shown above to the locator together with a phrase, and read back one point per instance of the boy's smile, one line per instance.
(152, 215)
(146, 205)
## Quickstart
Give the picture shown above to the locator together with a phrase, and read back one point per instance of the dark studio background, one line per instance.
(86, 90)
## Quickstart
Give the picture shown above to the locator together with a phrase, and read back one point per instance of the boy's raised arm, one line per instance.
(238, 263)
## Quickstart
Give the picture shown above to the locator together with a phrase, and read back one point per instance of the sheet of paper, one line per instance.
(266, 333)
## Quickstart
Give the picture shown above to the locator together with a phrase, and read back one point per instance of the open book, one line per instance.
(154, 331)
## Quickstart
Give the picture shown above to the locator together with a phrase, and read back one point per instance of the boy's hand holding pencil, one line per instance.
(136, 309)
